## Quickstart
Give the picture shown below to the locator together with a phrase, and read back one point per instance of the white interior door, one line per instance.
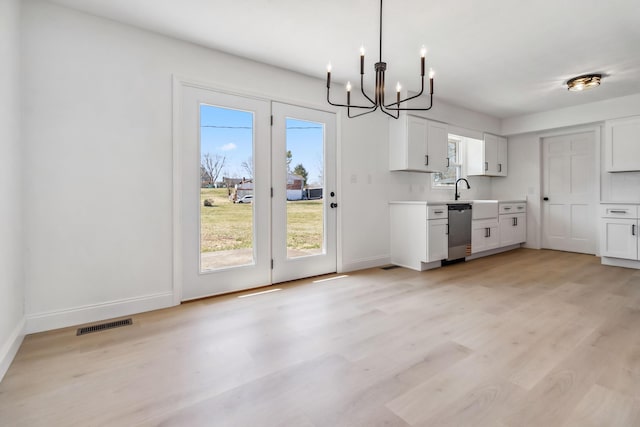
(304, 192)
(569, 174)
(224, 158)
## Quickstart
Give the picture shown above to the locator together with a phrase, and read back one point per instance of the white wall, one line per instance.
(11, 246)
(98, 141)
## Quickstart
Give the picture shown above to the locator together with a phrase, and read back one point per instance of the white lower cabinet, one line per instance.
(512, 223)
(438, 240)
(485, 235)
(513, 229)
(619, 231)
(419, 238)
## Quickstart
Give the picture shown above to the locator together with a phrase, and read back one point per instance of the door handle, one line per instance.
(333, 205)
(426, 160)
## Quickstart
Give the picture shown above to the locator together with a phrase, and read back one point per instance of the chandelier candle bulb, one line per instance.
(423, 53)
(361, 60)
(328, 75)
(431, 74)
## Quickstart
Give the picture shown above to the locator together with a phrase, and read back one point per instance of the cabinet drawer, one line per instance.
(507, 208)
(619, 211)
(437, 212)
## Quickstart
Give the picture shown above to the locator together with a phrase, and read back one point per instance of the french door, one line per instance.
(254, 192)
(304, 222)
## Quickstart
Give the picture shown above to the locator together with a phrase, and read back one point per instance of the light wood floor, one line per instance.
(524, 338)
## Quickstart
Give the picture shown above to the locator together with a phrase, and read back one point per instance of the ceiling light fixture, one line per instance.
(580, 83)
(393, 109)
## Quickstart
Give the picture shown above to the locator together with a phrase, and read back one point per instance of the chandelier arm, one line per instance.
(384, 110)
(410, 109)
(352, 116)
(363, 92)
(409, 98)
(345, 105)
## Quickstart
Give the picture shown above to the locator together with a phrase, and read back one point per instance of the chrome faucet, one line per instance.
(468, 186)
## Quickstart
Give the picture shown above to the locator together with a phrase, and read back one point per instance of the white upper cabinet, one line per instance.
(417, 144)
(502, 156)
(487, 157)
(622, 145)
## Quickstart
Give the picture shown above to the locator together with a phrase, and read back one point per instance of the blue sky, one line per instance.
(228, 133)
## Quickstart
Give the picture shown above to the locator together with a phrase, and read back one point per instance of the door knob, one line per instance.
(333, 205)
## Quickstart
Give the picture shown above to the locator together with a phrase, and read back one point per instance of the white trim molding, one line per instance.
(10, 347)
(364, 263)
(47, 321)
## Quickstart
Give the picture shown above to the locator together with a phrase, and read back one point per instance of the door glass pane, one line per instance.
(226, 188)
(305, 188)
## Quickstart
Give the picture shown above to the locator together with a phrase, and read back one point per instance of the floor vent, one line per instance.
(103, 326)
(390, 267)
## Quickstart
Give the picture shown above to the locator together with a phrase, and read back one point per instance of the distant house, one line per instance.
(231, 182)
(295, 190)
(243, 188)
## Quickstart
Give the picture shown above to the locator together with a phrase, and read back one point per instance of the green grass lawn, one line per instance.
(227, 225)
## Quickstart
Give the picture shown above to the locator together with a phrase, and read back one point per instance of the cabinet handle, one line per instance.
(508, 208)
(516, 218)
(486, 166)
(513, 222)
(426, 160)
(520, 207)
(447, 162)
(633, 229)
(447, 233)
(489, 229)
(438, 212)
(618, 211)
(499, 167)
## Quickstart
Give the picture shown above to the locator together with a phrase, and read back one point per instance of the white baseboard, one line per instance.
(10, 347)
(40, 322)
(364, 263)
(619, 262)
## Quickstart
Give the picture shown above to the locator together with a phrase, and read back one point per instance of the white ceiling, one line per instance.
(501, 57)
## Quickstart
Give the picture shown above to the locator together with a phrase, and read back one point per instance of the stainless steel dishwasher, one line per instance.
(459, 232)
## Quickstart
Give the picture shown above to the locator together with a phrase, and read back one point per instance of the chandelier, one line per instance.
(392, 109)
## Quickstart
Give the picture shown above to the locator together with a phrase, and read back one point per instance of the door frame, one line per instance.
(597, 155)
(178, 84)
